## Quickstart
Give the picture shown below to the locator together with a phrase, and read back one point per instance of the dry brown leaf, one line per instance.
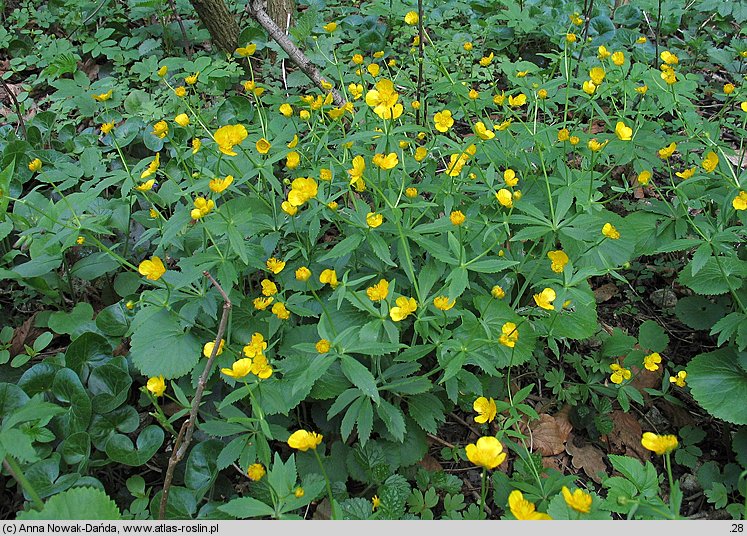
(606, 292)
(429, 463)
(24, 334)
(736, 161)
(625, 437)
(587, 457)
(548, 436)
(646, 379)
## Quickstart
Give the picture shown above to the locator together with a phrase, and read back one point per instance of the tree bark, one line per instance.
(220, 22)
(278, 10)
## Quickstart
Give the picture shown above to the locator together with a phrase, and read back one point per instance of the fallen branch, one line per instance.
(185, 432)
(12, 99)
(294, 53)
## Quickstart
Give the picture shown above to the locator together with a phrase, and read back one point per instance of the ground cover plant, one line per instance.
(490, 266)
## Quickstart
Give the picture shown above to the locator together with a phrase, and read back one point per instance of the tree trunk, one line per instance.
(220, 22)
(278, 10)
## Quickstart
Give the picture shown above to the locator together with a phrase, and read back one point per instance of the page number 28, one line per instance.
(737, 527)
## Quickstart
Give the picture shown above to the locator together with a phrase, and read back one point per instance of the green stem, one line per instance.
(15, 470)
(484, 490)
(329, 488)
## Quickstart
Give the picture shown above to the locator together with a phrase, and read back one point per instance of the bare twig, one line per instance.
(294, 53)
(12, 98)
(187, 46)
(441, 441)
(285, 80)
(465, 423)
(185, 433)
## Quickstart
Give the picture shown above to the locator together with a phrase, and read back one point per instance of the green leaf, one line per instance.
(113, 320)
(490, 266)
(5, 177)
(120, 449)
(110, 385)
(76, 448)
(651, 336)
(710, 279)
(698, 312)
(345, 246)
(718, 383)
(74, 323)
(67, 388)
(161, 347)
(201, 465)
(88, 350)
(247, 507)
(427, 411)
(360, 376)
(393, 419)
(94, 265)
(76, 503)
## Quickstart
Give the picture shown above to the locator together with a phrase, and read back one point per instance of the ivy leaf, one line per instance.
(120, 449)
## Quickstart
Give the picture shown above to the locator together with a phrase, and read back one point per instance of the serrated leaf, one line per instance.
(651, 336)
(360, 376)
(76, 503)
(162, 347)
(710, 279)
(393, 419)
(698, 312)
(717, 383)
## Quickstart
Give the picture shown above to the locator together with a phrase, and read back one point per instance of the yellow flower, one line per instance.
(487, 452)
(411, 18)
(595, 146)
(576, 19)
(509, 334)
(668, 75)
(603, 53)
(80, 240)
(181, 120)
(597, 75)
(379, 291)
(288, 208)
(625, 133)
(375, 503)
(411, 192)
(457, 217)
(330, 27)
(642, 89)
(510, 178)
(196, 144)
(325, 174)
(679, 380)
(420, 154)
(610, 231)
(485, 408)
(218, 185)
(261, 304)
(505, 198)
(743, 106)
(152, 167)
(292, 160)
(542, 94)
(517, 101)
(619, 374)
(248, 50)
(329, 277)
(326, 86)
(564, 134)
(160, 129)
(191, 80)
(642, 39)
(279, 310)
(570, 37)
(304, 114)
(180, 91)
(384, 99)
(618, 58)
(559, 259)
(106, 128)
(207, 349)
(269, 288)
(357, 59)
(274, 265)
(256, 346)
(303, 440)
(482, 132)
(374, 220)
(487, 60)
(162, 70)
(740, 202)
(388, 161)
(302, 189)
(443, 120)
(260, 367)
(545, 298)
(473, 94)
(669, 58)
(497, 292)
(659, 444)
(152, 268)
(710, 162)
(651, 361)
(239, 369)
(522, 509)
(443, 303)
(101, 97)
(299, 492)
(643, 177)
(156, 385)
(686, 173)
(356, 173)
(203, 207)
(263, 146)
(303, 274)
(255, 472)
(379, 54)
(286, 109)
(573, 140)
(467, 46)
(322, 346)
(499, 99)
(146, 186)
(589, 87)
(404, 308)
(229, 135)
(666, 152)
(35, 165)
(579, 500)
